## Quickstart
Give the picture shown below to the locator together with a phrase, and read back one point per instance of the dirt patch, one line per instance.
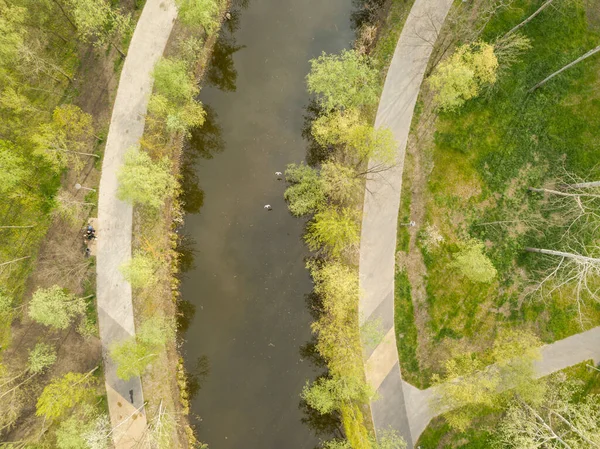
(592, 13)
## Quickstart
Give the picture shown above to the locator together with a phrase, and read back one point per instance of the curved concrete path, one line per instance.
(380, 214)
(400, 405)
(115, 309)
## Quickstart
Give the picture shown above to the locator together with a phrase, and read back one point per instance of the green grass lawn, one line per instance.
(487, 154)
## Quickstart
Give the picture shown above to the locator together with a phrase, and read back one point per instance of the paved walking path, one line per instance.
(380, 215)
(400, 405)
(115, 310)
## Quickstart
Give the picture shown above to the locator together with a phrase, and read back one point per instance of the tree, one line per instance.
(327, 394)
(64, 393)
(139, 270)
(468, 385)
(337, 444)
(578, 271)
(472, 263)
(305, 193)
(334, 128)
(199, 12)
(388, 439)
(586, 55)
(341, 184)
(55, 307)
(96, 21)
(366, 142)
(64, 140)
(41, 357)
(461, 76)
(174, 98)
(85, 428)
(334, 231)
(558, 422)
(343, 81)
(172, 81)
(135, 354)
(145, 182)
(12, 168)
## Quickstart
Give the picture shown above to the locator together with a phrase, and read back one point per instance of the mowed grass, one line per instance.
(487, 154)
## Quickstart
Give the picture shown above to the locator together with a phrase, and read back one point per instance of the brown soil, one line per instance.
(418, 170)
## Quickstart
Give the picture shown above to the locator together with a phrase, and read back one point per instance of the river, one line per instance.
(248, 284)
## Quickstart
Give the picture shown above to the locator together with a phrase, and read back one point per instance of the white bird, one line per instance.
(278, 173)
(268, 207)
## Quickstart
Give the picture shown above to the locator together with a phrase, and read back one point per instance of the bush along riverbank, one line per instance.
(330, 190)
(150, 180)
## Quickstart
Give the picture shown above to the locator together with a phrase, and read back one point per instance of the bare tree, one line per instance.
(574, 270)
(593, 51)
(530, 18)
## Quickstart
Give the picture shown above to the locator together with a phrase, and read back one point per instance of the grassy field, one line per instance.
(484, 158)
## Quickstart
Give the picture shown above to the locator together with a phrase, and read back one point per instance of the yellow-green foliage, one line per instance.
(461, 76)
(145, 182)
(334, 231)
(471, 383)
(356, 431)
(139, 270)
(64, 393)
(473, 264)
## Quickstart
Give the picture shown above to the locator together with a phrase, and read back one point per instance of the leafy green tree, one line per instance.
(388, 439)
(337, 444)
(472, 263)
(96, 21)
(65, 139)
(84, 429)
(202, 13)
(327, 394)
(64, 393)
(145, 182)
(173, 81)
(6, 304)
(12, 168)
(174, 98)
(12, 33)
(461, 77)
(469, 386)
(135, 354)
(365, 142)
(41, 357)
(305, 194)
(341, 184)
(334, 231)
(343, 81)
(334, 128)
(55, 307)
(140, 270)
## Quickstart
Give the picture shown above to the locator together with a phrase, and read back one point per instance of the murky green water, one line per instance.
(248, 284)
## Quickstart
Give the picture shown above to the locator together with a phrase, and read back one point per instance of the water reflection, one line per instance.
(221, 71)
(367, 12)
(315, 153)
(197, 376)
(205, 142)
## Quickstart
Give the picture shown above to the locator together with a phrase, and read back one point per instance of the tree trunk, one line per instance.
(14, 260)
(528, 19)
(16, 227)
(581, 58)
(551, 252)
(556, 192)
(583, 185)
(65, 14)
